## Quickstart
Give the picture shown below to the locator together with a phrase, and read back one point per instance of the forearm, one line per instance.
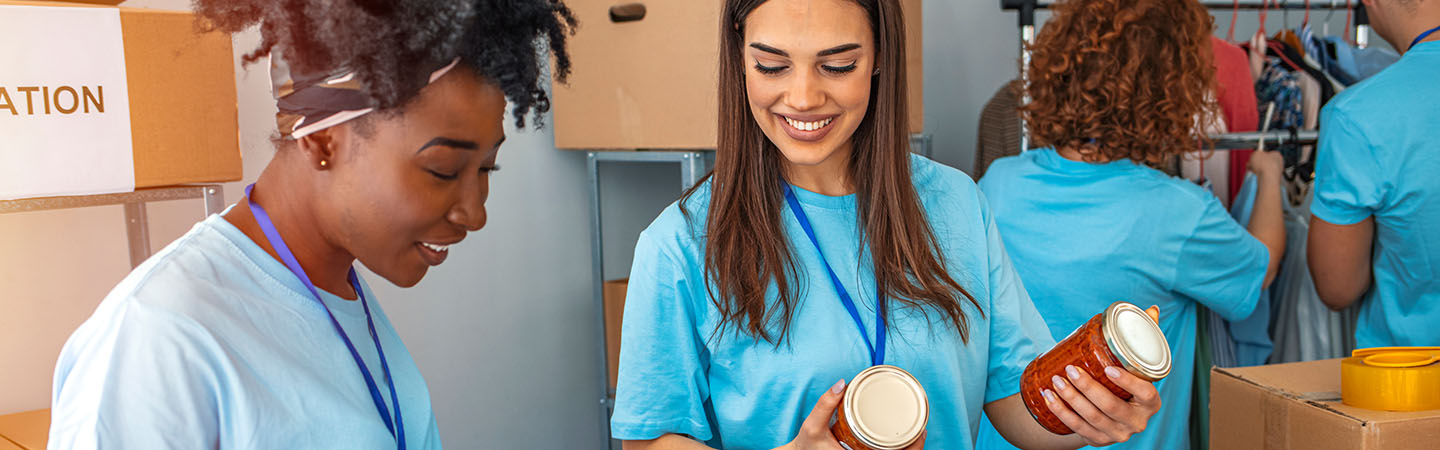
(1014, 422)
(1267, 222)
(666, 442)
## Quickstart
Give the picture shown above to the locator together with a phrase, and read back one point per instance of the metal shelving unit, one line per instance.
(694, 165)
(137, 225)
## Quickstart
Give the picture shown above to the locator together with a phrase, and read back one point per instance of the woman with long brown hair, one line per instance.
(1116, 86)
(820, 246)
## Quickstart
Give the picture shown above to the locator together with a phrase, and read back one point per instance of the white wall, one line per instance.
(505, 331)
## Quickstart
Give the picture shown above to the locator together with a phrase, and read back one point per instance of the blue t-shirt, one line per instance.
(1086, 235)
(212, 343)
(1380, 156)
(677, 375)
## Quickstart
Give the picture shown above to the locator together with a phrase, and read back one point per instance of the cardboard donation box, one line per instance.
(614, 294)
(645, 75)
(1297, 407)
(27, 430)
(99, 99)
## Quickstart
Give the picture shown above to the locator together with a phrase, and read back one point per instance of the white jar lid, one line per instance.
(887, 407)
(1136, 340)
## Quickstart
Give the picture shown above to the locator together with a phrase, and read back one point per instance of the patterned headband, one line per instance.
(312, 102)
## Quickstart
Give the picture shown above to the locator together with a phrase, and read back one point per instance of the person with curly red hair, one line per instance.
(1117, 88)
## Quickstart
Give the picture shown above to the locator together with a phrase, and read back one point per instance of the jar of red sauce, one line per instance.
(1124, 336)
(884, 408)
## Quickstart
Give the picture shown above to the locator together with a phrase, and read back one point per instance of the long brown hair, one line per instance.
(745, 244)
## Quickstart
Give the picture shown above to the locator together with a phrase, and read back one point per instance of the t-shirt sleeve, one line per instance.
(1018, 334)
(1349, 182)
(1221, 265)
(144, 379)
(661, 387)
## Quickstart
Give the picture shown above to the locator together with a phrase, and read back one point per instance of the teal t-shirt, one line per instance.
(212, 343)
(1085, 235)
(1380, 156)
(677, 375)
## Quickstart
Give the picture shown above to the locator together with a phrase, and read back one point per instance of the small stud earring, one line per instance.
(877, 71)
(323, 163)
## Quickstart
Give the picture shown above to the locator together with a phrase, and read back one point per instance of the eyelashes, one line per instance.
(838, 70)
(452, 176)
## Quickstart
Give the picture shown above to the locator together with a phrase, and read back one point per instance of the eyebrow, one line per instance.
(826, 52)
(452, 143)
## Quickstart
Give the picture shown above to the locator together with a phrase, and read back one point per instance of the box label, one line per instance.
(64, 103)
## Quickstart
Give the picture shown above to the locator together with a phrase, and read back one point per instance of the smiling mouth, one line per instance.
(433, 254)
(808, 126)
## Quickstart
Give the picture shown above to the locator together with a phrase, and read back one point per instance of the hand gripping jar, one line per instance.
(1124, 336)
(884, 408)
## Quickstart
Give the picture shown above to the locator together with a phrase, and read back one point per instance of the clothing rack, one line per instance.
(1027, 8)
(1273, 139)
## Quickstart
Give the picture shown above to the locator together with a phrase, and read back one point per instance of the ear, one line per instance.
(319, 148)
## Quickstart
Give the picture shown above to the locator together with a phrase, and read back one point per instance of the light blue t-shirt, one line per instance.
(1085, 235)
(736, 392)
(212, 343)
(1380, 156)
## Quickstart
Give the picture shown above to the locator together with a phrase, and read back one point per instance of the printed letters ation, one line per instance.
(35, 100)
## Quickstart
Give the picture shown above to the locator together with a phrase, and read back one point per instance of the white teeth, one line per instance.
(808, 126)
(437, 248)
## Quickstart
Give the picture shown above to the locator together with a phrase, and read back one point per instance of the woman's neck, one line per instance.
(828, 177)
(288, 205)
(1075, 155)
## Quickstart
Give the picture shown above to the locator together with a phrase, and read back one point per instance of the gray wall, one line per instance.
(505, 331)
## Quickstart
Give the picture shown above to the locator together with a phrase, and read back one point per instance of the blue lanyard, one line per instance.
(397, 428)
(877, 351)
(1421, 37)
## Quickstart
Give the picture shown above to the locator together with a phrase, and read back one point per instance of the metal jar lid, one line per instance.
(1136, 340)
(887, 407)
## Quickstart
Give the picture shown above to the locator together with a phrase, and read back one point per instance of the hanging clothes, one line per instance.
(1235, 92)
(1358, 64)
(1304, 329)
(999, 128)
(1251, 335)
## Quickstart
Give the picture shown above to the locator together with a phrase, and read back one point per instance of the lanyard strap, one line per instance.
(877, 351)
(397, 427)
(1421, 37)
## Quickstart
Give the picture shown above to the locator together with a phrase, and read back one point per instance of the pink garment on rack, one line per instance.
(1235, 91)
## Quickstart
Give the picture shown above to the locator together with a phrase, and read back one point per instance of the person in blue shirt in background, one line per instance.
(735, 334)
(1119, 86)
(253, 331)
(1375, 220)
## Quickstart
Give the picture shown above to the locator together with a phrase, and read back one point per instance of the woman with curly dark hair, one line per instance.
(253, 331)
(1118, 86)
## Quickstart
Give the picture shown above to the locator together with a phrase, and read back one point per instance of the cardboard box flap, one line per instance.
(30, 430)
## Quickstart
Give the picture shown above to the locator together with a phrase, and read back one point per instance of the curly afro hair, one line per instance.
(387, 42)
(1123, 79)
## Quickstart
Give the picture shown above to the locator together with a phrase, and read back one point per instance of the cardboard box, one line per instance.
(651, 83)
(184, 125)
(27, 430)
(614, 293)
(1297, 407)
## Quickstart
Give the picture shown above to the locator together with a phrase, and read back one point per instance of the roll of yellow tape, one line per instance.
(1392, 378)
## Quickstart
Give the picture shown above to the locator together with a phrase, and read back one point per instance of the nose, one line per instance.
(804, 92)
(468, 212)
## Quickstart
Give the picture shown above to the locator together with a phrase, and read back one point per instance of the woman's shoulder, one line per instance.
(933, 178)
(680, 227)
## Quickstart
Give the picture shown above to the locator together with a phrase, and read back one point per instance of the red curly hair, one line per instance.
(1122, 79)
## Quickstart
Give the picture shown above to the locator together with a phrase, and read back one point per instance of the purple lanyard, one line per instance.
(877, 351)
(1421, 37)
(397, 428)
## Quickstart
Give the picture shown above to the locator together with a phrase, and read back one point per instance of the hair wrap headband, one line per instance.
(312, 102)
